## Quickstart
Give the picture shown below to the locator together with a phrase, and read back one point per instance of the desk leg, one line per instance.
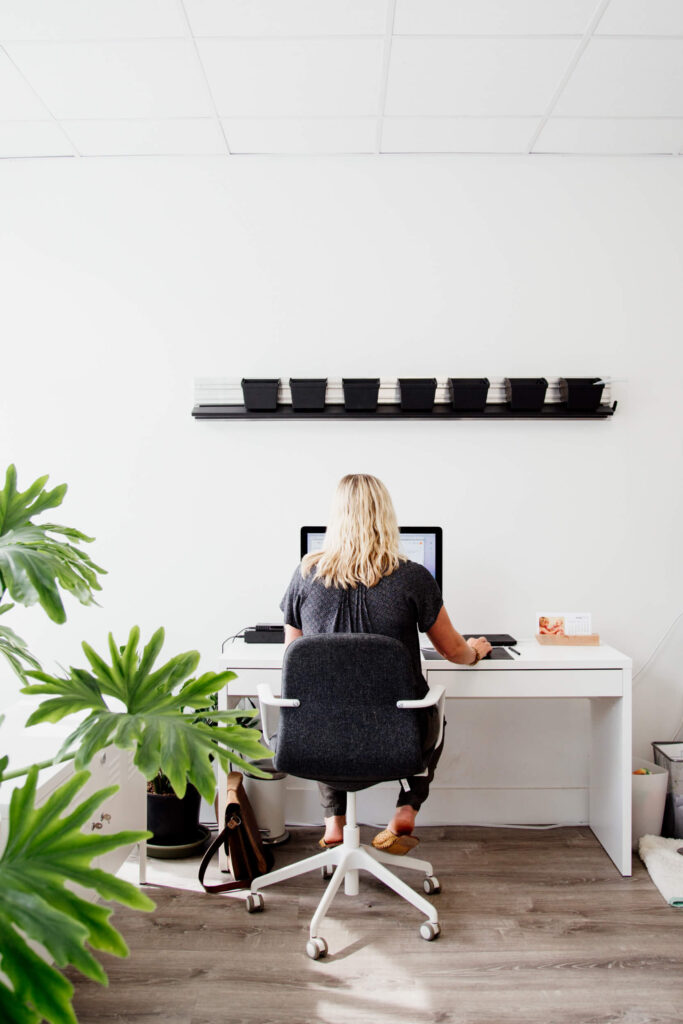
(142, 862)
(225, 703)
(609, 801)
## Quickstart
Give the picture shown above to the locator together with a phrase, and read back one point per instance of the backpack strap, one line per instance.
(241, 837)
(232, 821)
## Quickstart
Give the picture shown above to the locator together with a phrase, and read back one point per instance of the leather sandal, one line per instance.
(389, 842)
(324, 845)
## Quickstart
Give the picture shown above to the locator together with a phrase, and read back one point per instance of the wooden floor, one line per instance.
(536, 927)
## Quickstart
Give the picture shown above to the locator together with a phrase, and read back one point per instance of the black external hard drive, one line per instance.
(264, 634)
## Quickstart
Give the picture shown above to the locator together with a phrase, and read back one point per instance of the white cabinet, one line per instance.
(122, 811)
(126, 809)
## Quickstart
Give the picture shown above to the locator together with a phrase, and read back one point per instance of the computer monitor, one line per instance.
(422, 544)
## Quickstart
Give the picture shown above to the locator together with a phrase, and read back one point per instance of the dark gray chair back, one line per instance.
(347, 729)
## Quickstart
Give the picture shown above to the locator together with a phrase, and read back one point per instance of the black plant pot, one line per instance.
(469, 393)
(526, 394)
(417, 393)
(308, 394)
(360, 393)
(174, 821)
(260, 393)
(581, 394)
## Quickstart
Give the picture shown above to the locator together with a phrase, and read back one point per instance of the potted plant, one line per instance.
(173, 820)
(131, 702)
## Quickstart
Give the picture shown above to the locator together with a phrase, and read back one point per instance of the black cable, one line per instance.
(237, 636)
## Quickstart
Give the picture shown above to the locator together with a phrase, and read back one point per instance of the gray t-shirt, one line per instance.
(399, 605)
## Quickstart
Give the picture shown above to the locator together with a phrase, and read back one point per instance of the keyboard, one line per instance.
(495, 639)
(496, 654)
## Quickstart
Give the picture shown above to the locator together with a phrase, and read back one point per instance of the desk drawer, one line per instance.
(530, 682)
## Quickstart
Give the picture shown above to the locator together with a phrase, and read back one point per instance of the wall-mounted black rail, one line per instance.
(550, 411)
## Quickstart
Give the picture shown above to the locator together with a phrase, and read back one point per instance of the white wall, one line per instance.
(124, 279)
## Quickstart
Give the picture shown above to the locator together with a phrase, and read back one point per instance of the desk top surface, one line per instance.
(532, 655)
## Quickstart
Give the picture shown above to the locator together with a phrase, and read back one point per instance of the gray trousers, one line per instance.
(334, 800)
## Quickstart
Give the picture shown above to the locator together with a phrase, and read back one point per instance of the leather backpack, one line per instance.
(247, 856)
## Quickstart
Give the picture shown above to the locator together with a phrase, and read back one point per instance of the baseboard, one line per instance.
(453, 805)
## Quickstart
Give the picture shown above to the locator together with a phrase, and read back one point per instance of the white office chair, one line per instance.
(337, 686)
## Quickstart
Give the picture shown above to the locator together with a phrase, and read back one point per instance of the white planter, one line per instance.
(267, 799)
(649, 796)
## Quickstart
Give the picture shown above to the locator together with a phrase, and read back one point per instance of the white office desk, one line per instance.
(599, 674)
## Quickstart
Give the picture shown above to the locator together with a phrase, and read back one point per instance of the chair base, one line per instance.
(347, 860)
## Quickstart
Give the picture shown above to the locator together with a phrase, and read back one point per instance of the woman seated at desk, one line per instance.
(361, 583)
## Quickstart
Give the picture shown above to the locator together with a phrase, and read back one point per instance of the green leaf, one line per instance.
(17, 508)
(45, 854)
(39, 562)
(16, 651)
(12, 1012)
(155, 723)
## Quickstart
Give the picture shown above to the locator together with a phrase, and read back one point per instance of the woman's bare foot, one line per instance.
(403, 821)
(334, 827)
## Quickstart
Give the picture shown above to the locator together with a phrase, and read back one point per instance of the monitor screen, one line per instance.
(421, 544)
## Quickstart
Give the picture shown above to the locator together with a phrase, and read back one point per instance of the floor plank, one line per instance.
(537, 927)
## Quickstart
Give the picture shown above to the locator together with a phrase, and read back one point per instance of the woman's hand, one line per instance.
(480, 646)
(451, 645)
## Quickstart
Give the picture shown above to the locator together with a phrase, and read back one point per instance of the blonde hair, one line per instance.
(362, 539)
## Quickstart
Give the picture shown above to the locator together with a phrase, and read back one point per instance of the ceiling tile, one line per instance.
(611, 136)
(457, 134)
(18, 102)
(475, 76)
(296, 17)
(90, 19)
(132, 79)
(327, 77)
(33, 138)
(302, 135)
(147, 137)
(636, 17)
(493, 17)
(626, 78)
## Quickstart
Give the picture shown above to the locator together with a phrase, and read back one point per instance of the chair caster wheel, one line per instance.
(254, 903)
(316, 948)
(327, 872)
(429, 931)
(431, 885)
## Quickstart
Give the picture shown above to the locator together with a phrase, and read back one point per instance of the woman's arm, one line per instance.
(291, 633)
(450, 644)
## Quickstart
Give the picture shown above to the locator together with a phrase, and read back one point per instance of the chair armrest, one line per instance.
(435, 697)
(266, 696)
(267, 699)
(436, 694)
